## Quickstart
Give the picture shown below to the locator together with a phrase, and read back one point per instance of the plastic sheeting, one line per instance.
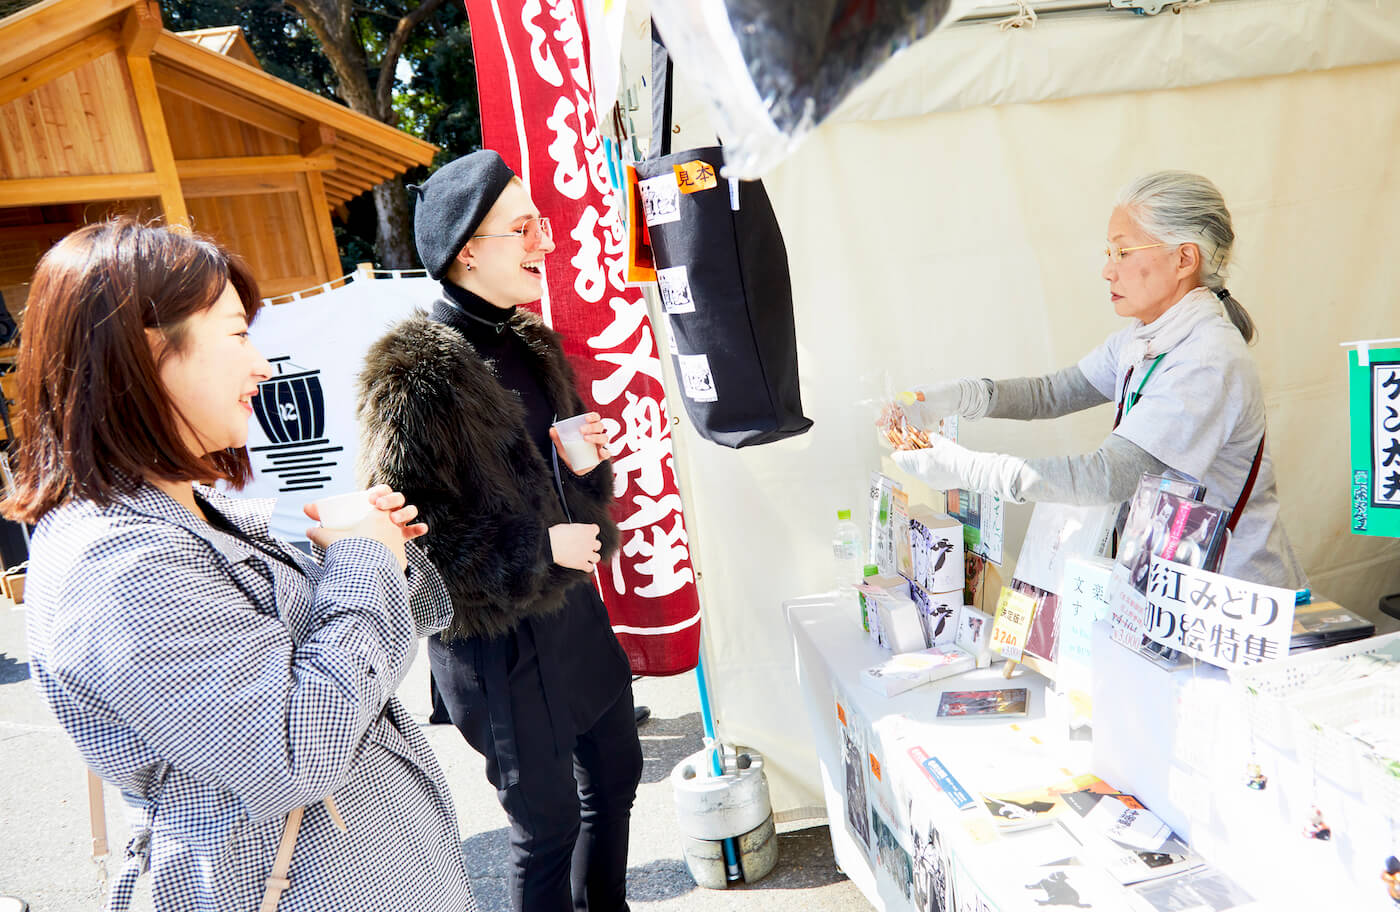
(771, 70)
(969, 243)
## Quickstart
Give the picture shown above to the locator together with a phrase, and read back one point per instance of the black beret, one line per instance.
(452, 202)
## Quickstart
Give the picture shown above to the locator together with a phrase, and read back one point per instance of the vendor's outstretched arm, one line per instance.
(1107, 475)
(1050, 396)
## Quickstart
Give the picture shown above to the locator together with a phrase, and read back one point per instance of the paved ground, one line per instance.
(45, 843)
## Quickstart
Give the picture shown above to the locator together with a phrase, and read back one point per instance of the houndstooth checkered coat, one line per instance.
(220, 687)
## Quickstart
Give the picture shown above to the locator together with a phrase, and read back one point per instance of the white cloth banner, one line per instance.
(304, 442)
(1217, 619)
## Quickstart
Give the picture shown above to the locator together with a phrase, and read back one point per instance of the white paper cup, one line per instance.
(344, 510)
(583, 455)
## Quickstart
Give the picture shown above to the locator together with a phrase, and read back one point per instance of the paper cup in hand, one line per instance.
(583, 455)
(344, 510)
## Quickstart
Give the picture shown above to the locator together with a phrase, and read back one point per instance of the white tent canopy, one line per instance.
(948, 221)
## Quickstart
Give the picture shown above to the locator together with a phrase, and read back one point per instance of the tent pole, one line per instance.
(730, 844)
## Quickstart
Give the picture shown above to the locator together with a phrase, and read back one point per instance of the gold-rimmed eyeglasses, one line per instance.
(1116, 253)
(535, 230)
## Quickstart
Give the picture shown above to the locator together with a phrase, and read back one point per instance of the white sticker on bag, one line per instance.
(675, 290)
(734, 195)
(696, 379)
(661, 199)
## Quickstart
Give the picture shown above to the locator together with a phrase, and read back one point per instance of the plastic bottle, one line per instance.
(845, 547)
(868, 611)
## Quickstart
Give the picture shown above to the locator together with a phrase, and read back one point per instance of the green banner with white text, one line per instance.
(1375, 442)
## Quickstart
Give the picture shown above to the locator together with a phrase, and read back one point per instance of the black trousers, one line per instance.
(570, 804)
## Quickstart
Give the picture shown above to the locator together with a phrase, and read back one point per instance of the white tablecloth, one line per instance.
(1249, 834)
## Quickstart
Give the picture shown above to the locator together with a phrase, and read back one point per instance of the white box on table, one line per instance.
(936, 550)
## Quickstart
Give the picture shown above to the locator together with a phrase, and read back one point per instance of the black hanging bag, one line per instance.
(722, 273)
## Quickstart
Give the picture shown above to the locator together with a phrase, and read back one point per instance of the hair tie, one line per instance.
(1223, 293)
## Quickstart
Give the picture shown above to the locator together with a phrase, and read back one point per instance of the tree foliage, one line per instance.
(339, 49)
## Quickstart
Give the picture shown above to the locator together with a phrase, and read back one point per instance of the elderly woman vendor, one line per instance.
(1186, 393)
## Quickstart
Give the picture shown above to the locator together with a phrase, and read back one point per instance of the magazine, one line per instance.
(1123, 836)
(1032, 807)
(1011, 701)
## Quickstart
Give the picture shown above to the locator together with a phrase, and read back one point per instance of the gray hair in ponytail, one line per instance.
(1178, 207)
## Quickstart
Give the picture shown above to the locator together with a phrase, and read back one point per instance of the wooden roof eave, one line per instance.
(233, 75)
(38, 32)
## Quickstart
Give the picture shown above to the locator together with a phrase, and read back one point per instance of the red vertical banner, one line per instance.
(533, 76)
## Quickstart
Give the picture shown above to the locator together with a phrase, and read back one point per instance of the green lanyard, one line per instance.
(1131, 400)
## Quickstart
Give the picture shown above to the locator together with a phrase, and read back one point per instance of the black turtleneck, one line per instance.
(487, 328)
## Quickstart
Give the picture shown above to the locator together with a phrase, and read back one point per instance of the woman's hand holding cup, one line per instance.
(380, 514)
(582, 441)
(576, 546)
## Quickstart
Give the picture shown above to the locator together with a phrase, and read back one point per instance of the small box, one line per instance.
(944, 661)
(936, 550)
(872, 590)
(894, 676)
(900, 622)
(974, 635)
(905, 671)
(938, 613)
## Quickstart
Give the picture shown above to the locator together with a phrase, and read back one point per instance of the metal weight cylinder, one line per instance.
(720, 807)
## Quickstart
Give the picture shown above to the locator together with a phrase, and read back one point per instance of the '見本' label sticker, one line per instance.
(694, 176)
(675, 290)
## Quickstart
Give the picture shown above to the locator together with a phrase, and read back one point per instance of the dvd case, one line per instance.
(1167, 519)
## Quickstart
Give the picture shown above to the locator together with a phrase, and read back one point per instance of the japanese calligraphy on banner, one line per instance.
(1217, 619)
(537, 111)
(1375, 442)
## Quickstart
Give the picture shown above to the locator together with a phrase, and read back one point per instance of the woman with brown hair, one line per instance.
(238, 692)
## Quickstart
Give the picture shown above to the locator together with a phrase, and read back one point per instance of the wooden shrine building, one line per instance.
(103, 111)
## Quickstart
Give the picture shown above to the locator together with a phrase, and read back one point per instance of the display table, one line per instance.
(925, 852)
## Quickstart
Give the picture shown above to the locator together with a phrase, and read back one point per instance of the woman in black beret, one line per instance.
(456, 407)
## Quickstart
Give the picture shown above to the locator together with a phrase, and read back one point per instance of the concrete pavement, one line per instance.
(45, 843)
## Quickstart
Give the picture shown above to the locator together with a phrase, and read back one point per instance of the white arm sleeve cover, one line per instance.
(1050, 396)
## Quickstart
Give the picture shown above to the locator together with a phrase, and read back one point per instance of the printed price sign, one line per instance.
(1127, 609)
(1217, 619)
(1012, 623)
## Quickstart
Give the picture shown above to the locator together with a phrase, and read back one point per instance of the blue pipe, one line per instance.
(707, 719)
(731, 844)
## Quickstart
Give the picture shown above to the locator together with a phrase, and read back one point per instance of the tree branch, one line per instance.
(331, 22)
(384, 90)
